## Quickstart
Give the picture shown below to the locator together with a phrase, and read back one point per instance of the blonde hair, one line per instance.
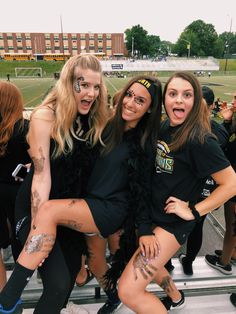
(11, 110)
(61, 100)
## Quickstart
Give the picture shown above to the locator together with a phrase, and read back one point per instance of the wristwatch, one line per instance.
(195, 213)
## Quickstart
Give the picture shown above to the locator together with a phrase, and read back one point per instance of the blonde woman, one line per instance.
(62, 129)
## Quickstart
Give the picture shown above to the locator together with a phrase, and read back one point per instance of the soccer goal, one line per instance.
(28, 72)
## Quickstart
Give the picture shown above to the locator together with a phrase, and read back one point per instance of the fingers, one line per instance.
(171, 199)
(150, 250)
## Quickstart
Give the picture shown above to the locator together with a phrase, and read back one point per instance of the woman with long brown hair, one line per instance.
(13, 151)
(186, 154)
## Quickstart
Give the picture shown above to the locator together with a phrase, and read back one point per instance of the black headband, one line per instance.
(149, 86)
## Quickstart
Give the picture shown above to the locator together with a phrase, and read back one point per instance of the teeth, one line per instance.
(128, 110)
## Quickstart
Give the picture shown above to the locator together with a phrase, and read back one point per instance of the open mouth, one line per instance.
(179, 113)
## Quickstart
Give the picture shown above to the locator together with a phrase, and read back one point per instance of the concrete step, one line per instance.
(205, 281)
(214, 304)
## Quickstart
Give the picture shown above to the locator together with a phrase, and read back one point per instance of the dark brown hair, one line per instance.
(197, 124)
(149, 124)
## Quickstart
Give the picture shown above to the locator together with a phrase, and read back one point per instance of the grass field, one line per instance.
(34, 90)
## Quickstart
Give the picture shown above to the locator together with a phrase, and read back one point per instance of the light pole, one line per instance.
(188, 45)
(132, 49)
(63, 51)
(227, 46)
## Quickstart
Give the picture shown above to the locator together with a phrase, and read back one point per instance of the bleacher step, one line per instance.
(205, 281)
(214, 304)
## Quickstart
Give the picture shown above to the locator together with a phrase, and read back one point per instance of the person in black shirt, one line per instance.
(13, 151)
(222, 259)
(194, 241)
(104, 208)
(63, 130)
(186, 154)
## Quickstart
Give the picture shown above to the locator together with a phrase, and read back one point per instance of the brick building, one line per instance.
(107, 44)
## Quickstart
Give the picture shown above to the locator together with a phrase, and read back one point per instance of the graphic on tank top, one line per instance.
(164, 162)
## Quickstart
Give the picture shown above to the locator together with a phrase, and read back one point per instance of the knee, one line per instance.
(126, 295)
(44, 212)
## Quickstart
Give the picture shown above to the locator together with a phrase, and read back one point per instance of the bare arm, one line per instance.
(39, 141)
(226, 181)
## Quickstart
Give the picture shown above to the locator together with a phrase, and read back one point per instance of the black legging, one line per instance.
(8, 194)
(58, 272)
(194, 241)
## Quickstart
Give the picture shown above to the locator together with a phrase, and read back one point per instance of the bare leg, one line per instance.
(229, 238)
(82, 274)
(113, 242)
(140, 272)
(97, 257)
(74, 214)
(3, 274)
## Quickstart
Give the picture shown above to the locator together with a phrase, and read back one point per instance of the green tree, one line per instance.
(229, 41)
(137, 41)
(202, 38)
(154, 44)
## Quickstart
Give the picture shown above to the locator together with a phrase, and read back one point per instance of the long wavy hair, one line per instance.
(11, 111)
(197, 124)
(61, 100)
(149, 124)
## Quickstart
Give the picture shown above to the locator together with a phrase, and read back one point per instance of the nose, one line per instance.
(91, 91)
(179, 98)
(130, 101)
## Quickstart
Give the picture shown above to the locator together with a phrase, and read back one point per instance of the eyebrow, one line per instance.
(132, 92)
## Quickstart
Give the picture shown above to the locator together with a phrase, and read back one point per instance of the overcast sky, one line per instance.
(165, 18)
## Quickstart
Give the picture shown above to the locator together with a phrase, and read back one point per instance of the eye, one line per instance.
(97, 87)
(128, 94)
(172, 94)
(188, 95)
(139, 100)
(84, 85)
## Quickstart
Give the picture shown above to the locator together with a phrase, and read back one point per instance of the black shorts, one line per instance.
(180, 229)
(108, 216)
(233, 199)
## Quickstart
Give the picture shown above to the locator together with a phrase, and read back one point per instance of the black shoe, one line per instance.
(218, 252)
(233, 299)
(214, 261)
(17, 309)
(187, 266)
(169, 266)
(170, 305)
(109, 307)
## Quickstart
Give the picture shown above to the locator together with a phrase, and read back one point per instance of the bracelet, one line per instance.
(195, 213)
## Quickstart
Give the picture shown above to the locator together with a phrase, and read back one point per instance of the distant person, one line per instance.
(8, 77)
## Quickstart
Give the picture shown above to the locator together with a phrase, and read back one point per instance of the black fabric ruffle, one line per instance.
(139, 196)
